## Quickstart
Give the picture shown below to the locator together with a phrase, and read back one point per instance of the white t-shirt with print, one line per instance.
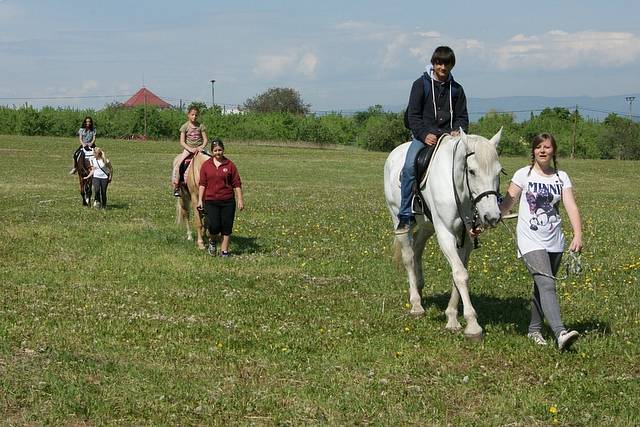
(97, 166)
(539, 222)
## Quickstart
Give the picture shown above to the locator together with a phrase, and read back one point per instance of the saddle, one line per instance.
(184, 167)
(82, 159)
(423, 159)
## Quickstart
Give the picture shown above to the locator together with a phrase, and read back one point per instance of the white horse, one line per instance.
(461, 191)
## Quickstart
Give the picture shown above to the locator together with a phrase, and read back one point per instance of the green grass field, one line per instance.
(114, 318)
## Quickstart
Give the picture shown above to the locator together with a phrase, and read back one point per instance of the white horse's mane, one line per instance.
(485, 152)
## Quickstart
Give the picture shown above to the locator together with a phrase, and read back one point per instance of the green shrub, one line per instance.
(383, 132)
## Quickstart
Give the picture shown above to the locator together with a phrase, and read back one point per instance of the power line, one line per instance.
(38, 98)
(319, 112)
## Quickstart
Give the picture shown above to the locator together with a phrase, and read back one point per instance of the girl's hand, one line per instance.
(475, 232)
(576, 244)
(240, 204)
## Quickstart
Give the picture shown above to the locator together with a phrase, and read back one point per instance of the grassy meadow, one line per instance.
(113, 318)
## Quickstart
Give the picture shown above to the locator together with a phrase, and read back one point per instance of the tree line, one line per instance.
(284, 117)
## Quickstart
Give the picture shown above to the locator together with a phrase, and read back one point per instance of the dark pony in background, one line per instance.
(83, 167)
(188, 199)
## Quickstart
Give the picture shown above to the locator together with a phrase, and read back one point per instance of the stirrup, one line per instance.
(416, 205)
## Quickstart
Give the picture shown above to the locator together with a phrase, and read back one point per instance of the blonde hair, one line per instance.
(100, 154)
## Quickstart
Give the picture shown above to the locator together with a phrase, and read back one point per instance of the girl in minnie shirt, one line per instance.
(220, 193)
(101, 174)
(541, 187)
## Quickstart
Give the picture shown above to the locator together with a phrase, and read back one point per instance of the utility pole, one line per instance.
(573, 141)
(145, 114)
(213, 97)
(630, 99)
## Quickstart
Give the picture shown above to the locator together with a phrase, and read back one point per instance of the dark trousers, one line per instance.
(100, 190)
(220, 216)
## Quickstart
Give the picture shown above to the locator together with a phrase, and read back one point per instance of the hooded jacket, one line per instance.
(448, 113)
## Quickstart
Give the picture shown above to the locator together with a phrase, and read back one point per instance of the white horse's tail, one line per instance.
(397, 254)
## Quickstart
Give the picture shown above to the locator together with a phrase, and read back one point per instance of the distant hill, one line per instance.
(522, 106)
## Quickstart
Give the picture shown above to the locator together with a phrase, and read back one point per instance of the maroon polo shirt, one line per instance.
(219, 182)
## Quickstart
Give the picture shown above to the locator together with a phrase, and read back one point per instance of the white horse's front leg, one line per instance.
(419, 242)
(461, 282)
(408, 259)
(452, 311)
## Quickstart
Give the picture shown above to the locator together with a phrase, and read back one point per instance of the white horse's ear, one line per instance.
(496, 138)
(462, 134)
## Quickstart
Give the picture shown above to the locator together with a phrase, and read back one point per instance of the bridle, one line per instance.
(470, 221)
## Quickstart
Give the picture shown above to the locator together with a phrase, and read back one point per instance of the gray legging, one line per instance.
(544, 302)
(100, 190)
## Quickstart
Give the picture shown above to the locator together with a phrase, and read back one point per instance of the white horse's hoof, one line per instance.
(453, 328)
(475, 338)
(417, 313)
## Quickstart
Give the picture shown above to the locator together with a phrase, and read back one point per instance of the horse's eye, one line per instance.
(472, 172)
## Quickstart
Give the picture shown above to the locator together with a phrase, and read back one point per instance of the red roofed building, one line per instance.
(145, 97)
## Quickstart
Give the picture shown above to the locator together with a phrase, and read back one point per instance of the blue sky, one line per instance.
(339, 55)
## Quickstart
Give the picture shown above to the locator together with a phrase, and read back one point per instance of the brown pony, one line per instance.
(83, 168)
(188, 199)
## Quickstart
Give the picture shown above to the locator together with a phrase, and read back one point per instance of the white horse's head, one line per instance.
(483, 176)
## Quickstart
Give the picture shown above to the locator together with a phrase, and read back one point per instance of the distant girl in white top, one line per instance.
(102, 173)
(540, 237)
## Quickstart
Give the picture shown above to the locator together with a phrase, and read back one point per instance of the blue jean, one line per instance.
(408, 179)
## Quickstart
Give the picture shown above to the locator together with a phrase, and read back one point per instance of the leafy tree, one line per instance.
(511, 143)
(277, 100)
(361, 117)
(620, 138)
(201, 106)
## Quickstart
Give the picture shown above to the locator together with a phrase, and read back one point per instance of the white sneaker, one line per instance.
(537, 338)
(566, 339)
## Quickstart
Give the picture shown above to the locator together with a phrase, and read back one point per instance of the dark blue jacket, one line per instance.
(422, 118)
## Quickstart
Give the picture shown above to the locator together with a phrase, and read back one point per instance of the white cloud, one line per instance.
(9, 11)
(522, 38)
(271, 66)
(294, 63)
(353, 26)
(393, 50)
(307, 65)
(429, 34)
(88, 86)
(561, 50)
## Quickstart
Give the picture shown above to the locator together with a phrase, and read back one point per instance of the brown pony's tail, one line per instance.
(180, 217)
